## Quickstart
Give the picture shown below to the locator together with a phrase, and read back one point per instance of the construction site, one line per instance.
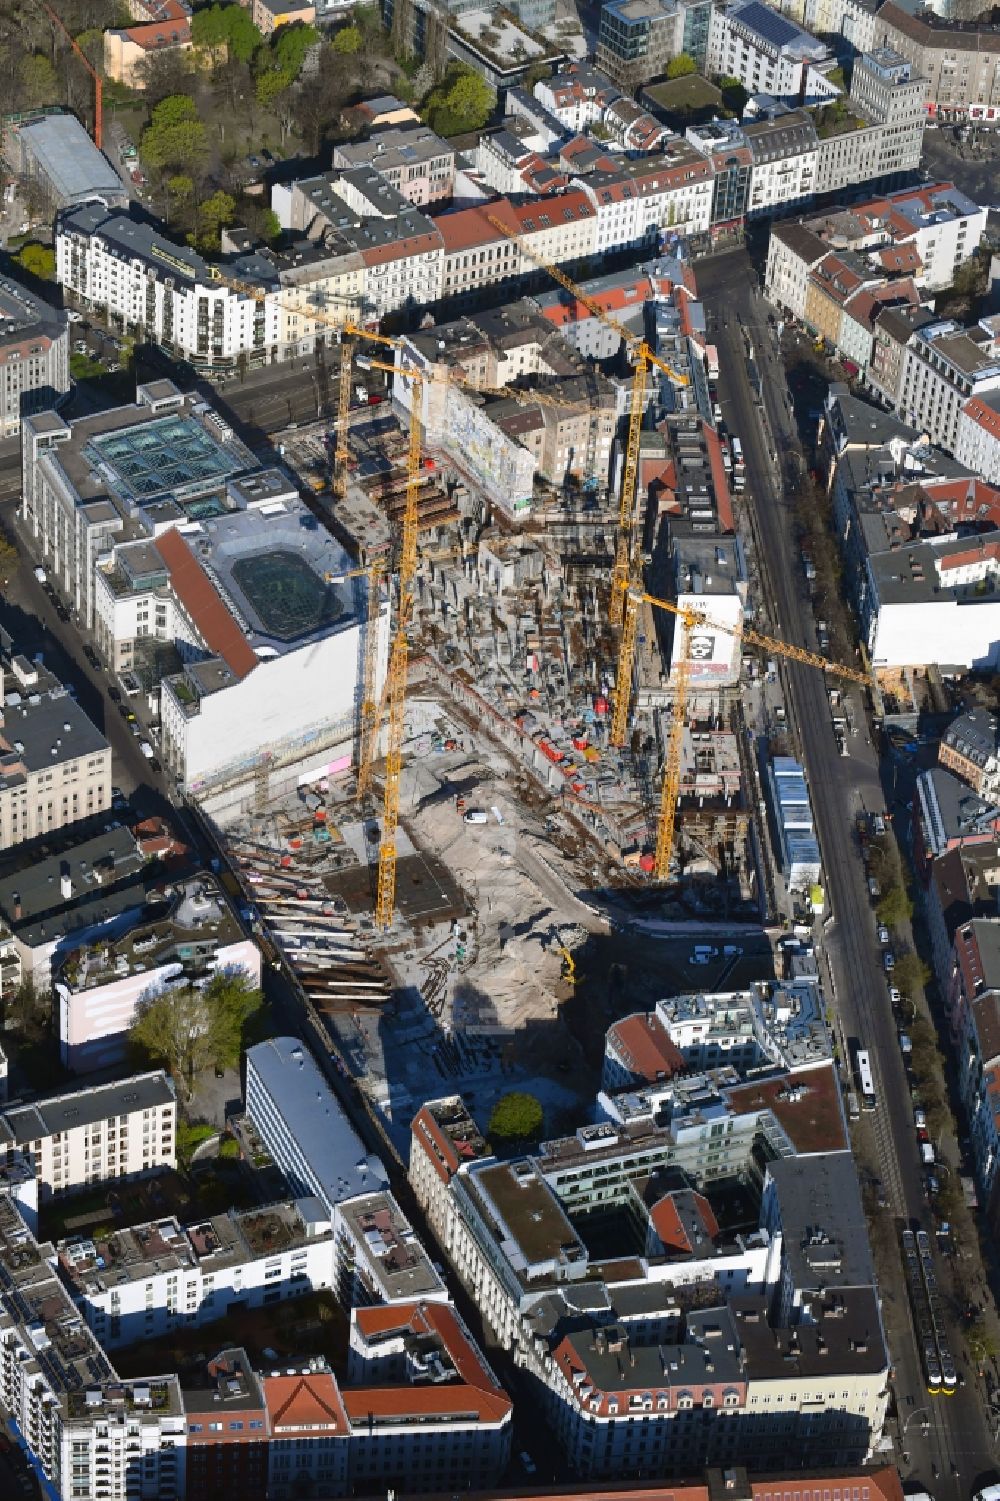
(558, 750)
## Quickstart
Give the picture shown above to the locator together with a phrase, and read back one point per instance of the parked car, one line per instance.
(883, 933)
(894, 996)
(889, 961)
(146, 749)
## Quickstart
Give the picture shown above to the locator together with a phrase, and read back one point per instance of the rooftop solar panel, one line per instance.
(772, 27)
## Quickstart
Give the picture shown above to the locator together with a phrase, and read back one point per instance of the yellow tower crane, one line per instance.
(640, 356)
(688, 620)
(385, 900)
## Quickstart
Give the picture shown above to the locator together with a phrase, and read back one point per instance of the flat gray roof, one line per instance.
(51, 728)
(69, 160)
(84, 1107)
(315, 1120)
(822, 1221)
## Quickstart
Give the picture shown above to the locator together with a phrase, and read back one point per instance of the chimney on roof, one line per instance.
(17, 906)
(65, 883)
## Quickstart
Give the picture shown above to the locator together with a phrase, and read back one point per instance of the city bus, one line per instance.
(866, 1082)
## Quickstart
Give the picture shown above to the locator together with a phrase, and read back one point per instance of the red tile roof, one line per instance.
(669, 1226)
(720, 483)
(476, 1391)
(200, 598)
(881, 1484)
(306, 1402)
(155, 34)
(646, 1048)
(984, 415)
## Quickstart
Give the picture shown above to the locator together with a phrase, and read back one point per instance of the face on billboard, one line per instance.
(701, 647)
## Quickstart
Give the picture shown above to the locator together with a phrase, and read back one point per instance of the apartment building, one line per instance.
(752, 1031)
(973, 1006)
(142, 1282)
(55, 766)
(924, 234)
(785, 150)
(970, 747)
(638, 1050)
(129, 271)
(724, 144)
(128, 50)
(96, 1134)
(769, 54)
(226, 1444)
(921, 590)
(830, 287)
(499, 444)
(657, 1372)
(425, 1409)
(48, 1360)
(944, 365)
(958, 61)
(578, 96)
(415, 161)
(297, 1117)
(181, 936)
(268, 15)
(892, 329)
(34, 355)
(854, 20)
(977, 436)
(963, 884)
(60, 900)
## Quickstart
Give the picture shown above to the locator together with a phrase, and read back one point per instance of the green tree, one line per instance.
(982, 1345)
(190, 1136)
(289, 47)
(180, 187)
(39, 84)
(174, 1031)
(681, 66)
(463, 102)
(175, 135)
(188, 1031)
(215, 213)
(229, 26)
(895, 907)
(517, 1117)
(91, 44)
(348, 40)
(270, 84)
(234, 1002)
(911, 974)
(39, 260)
(25, 1010)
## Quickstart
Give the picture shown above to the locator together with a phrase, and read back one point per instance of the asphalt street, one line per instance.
(956, 1448)
(973, 165)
